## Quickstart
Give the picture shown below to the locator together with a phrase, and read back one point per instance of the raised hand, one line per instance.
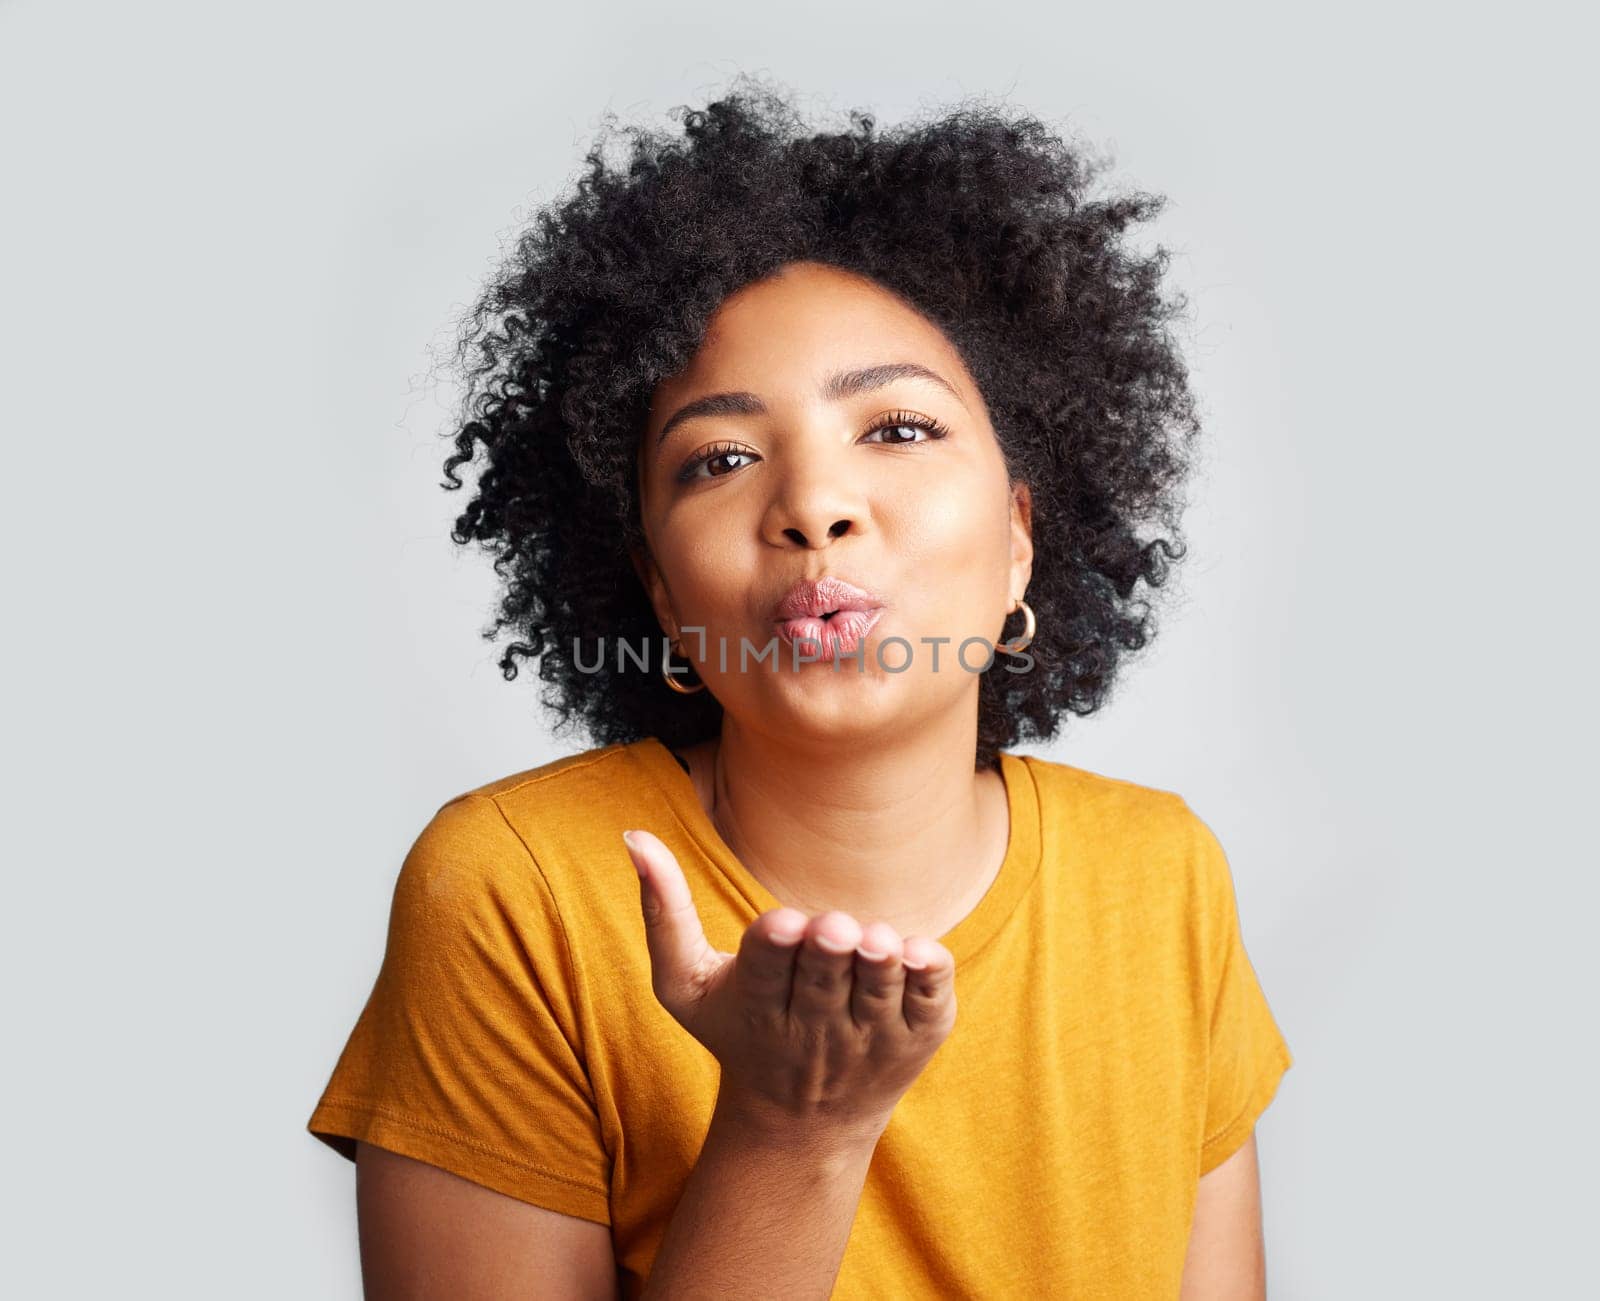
(816, 1021)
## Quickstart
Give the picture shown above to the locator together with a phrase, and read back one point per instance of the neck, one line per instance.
(903, 831)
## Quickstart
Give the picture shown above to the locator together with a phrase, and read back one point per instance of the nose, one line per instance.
(815, 501)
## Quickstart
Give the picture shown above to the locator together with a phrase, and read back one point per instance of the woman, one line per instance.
(863, 406)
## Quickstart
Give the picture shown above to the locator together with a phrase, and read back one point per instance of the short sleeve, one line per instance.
(468, 1053)
(1247, 1053)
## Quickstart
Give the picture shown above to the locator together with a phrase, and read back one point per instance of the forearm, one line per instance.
(766, 1211)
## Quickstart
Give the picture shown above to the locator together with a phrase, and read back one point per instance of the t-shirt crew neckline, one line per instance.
(968, 937)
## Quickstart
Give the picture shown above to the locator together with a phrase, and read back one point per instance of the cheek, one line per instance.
(958, 522)
(704, 562)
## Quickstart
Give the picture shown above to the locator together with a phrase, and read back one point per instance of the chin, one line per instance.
(842, 705)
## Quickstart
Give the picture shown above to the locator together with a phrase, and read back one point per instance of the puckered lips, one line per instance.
(833, 615)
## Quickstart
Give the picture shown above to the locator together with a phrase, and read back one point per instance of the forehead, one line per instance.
(779, 334)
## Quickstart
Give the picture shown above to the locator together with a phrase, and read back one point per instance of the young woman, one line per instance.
(781, 432)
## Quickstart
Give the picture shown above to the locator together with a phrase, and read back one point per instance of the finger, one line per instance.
(680, 954)
(767, 951)
(930, 994)
(824, 968)
(879, 988)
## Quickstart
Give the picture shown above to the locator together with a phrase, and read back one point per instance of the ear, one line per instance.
(655, 588)
(1021, 537)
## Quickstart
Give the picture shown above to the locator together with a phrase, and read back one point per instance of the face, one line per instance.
(754, 474)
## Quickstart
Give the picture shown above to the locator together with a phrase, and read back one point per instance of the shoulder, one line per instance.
(547, 840)
(487, 838)
(605, 769)
(1096, 803)
(565, 794)
(1122, 843)
(489, 883)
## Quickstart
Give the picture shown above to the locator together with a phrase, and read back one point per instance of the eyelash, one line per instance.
(893, 420)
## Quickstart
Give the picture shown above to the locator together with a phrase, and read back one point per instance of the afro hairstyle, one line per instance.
(981, 219)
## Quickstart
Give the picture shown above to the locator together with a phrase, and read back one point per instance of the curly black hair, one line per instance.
(979, 219)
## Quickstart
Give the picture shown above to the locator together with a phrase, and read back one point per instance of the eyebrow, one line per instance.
(836, 388)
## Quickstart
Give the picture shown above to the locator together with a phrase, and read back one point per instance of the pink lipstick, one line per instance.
(830, 613)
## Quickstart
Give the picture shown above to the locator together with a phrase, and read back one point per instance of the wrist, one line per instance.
(756, 1122)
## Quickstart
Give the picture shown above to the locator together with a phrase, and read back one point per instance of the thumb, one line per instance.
(680, 955)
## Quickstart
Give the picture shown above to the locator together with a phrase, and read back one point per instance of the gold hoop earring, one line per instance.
(672, 681)
(1030, 626)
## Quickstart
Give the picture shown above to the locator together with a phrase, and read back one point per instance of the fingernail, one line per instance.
(870, 954)
(633, 847)
(914, 966)
(831, 946)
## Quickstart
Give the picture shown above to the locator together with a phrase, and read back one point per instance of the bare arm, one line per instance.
(767, 1210)
(429, 1235)
(1227, 1258)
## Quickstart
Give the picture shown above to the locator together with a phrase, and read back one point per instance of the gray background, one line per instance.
(245, 665)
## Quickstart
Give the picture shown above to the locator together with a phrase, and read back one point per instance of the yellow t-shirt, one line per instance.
(1111, 1042)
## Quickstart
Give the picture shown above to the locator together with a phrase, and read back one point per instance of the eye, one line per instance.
(716, 452)
(895, 421)
(898, 421)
